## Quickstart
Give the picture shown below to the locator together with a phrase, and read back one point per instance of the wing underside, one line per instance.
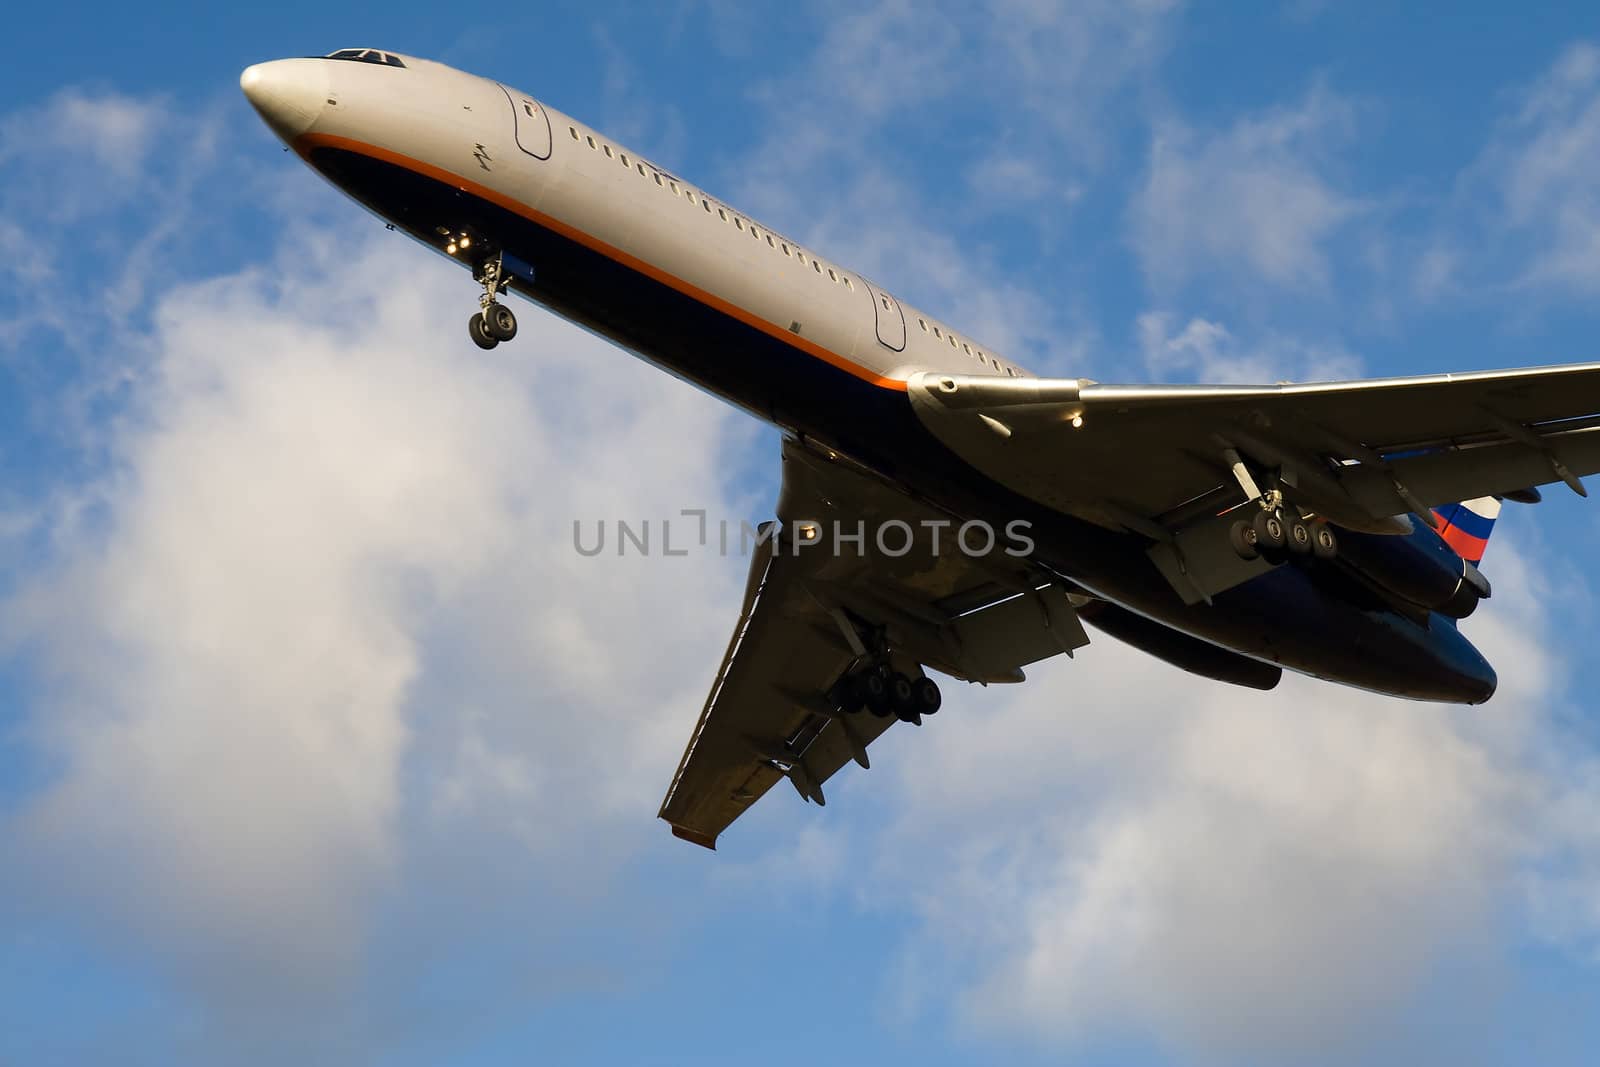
(1167, 461)
(814, 609)
(1373, 448)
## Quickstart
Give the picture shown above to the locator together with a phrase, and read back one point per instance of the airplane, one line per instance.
(1334, 529)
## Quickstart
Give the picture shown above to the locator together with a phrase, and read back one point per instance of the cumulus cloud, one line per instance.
(1255, 201)
(1121, 850)
(321, 623)
(77, 131)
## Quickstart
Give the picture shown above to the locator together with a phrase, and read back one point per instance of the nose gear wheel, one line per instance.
(494, 322)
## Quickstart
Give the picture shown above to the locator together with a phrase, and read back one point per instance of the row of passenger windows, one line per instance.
(777, 244)
(979, 354)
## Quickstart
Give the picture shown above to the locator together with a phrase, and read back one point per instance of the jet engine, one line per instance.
(1418, 567)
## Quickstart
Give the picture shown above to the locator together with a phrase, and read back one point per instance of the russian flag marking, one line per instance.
(1466, 526)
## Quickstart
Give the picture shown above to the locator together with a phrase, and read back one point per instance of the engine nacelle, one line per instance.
(1418, 567)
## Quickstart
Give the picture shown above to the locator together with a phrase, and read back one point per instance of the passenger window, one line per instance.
(657, 177)
(641, 169)
(832, 276)
(705, 204)
(785, 249)
(769, 241)
(674, 187)
(738, 223)
(968, 350)
(847, 284)
(936, 332)
(528, 108)
(590, 140)
(816, 266)
(722, 214)
(924, 324)
(608, 151)
(574, 131)
(952, 339)
(886, 306)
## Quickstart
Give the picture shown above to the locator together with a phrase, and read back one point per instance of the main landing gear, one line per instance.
(1277, 533)
(495, 322)
(879, 689)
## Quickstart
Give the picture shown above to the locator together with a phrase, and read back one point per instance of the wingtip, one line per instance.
(695, 837)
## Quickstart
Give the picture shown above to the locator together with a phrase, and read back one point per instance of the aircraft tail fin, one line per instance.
(1466, 526)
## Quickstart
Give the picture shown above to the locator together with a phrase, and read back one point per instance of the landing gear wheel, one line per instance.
(1298, 536)
(1269, 532)
(480, 332)
(499, 322)
(1244, 539)
(925, 696)
(902, 696)
(1324, 544)
(875, 694)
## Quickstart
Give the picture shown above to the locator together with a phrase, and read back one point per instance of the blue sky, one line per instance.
(318, 741)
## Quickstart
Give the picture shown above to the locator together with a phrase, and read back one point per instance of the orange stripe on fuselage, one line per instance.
(304, 144)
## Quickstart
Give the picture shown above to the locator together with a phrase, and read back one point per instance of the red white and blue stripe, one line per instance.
(1465, 527)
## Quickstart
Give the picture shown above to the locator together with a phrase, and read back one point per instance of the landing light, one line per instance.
(451, 248)
(465, 241)
(1077, 422)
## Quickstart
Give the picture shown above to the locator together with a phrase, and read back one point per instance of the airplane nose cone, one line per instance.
(289, 94)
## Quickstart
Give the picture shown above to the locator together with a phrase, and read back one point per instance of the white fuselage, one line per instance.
(492, 138)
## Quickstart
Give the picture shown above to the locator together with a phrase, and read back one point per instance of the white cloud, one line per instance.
(1016, 182)
(326, 621)
(83, 148)
(108, 131)
(1120, 849)
(1207, 351)
(1254, 201)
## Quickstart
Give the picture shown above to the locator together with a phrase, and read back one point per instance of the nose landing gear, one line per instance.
(495, 322)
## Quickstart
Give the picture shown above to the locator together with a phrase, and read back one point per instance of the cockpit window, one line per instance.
(366, 55)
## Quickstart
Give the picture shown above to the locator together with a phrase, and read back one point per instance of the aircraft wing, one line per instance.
(1152, 458)
(814, 607)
